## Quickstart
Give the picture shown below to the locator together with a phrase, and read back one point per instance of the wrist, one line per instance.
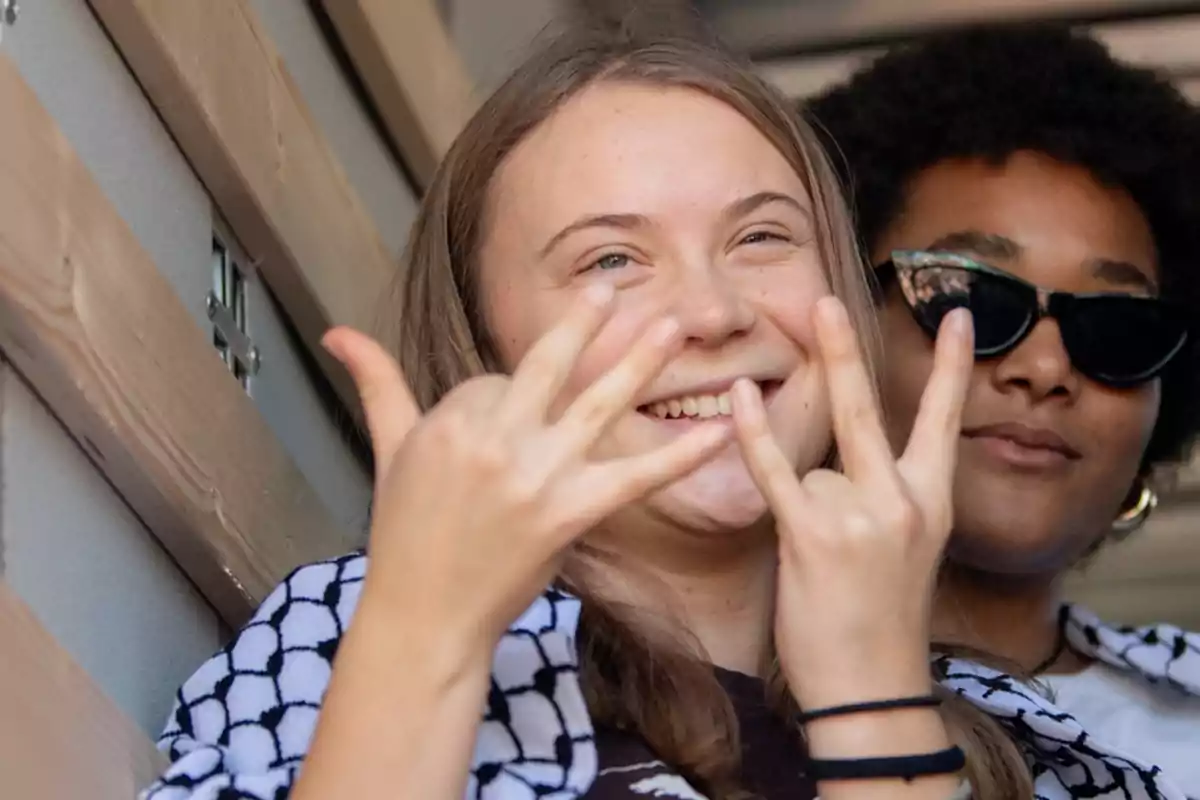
(432, 650)
(835, 684)
(896, 732)
(424, 685)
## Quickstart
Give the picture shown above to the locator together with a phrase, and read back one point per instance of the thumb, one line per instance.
(388, 405)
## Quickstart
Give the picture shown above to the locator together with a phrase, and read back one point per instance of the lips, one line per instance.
(1023, 445)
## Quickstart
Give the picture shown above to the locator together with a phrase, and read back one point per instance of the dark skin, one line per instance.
(1020, 528)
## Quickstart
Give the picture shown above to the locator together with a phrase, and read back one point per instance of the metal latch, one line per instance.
(225, 306)
(236, 343)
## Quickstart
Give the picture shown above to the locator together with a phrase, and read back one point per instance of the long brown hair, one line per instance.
(638, 673)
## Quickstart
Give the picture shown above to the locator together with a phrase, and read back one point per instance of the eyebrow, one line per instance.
(1121, 273)
(747, 205)
(618, 221)
(736, 209)
(989, 245)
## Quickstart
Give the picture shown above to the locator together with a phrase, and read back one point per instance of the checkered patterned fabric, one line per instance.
(242, 724)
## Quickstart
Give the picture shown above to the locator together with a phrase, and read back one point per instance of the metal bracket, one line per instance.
(239, 344)
(9, 11)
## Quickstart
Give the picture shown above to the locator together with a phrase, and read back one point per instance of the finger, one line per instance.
(546, 367)
(774, 475)
(603, 488)
(862, 444)
(933, 445)
(613, 393)
(388, 404)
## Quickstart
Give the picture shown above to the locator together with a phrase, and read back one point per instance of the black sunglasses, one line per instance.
(1120, 340)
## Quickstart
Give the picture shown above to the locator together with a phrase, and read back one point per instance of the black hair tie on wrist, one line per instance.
(943, 762)
(924, 701)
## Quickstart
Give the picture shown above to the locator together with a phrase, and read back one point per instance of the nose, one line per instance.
(1039, 366)
(711, 308)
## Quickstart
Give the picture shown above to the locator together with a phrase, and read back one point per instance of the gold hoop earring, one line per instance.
(1135, 517)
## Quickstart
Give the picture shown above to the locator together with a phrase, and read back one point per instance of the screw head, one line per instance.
(255, 359)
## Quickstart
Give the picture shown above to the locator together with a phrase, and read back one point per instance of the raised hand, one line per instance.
(476, 500)
(859, 549)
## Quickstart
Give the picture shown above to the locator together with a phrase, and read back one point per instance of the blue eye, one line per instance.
(610, 261)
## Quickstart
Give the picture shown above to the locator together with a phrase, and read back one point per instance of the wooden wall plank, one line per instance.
(774, 29)
(4, 370)
(220, 85)
(96, 329)
(413, 72)
(1169, 45)
(60, 735)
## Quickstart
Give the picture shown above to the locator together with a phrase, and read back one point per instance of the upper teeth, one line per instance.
(701, 406)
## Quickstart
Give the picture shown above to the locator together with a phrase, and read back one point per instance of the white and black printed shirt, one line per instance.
(242, 723)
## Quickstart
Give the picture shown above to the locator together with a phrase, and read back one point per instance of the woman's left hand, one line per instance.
(859, 550)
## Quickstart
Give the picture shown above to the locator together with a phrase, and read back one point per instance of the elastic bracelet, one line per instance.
(925, 701)
(943, 762)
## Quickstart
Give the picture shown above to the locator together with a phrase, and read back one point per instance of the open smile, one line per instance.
(703, 404)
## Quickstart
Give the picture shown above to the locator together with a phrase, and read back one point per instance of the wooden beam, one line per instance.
(60, 735)
(1151, 577)
(1176, 601)
(4, 375)
(766, 29)
(671, 14)
(96, 329)
(1165, 45)
(413, 72)
(1162, 550)
(224, 92)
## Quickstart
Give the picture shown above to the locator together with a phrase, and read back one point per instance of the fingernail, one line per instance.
(745, 387)
(330, 346)
(665, 329)
(960, 320)
(598, 294)
(831, 309)
(745, 393)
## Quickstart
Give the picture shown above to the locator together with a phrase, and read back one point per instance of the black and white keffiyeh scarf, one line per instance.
(241, 724)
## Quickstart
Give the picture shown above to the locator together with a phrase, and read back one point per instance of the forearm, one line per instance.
(401, 714)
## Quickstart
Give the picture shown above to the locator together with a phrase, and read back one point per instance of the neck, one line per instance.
(720, 587)
(1011, 618)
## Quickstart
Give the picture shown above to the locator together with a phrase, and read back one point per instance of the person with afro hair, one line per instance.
(1022, 171)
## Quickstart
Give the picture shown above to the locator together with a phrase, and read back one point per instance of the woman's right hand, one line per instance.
(476, 500)
(859, 552)
(860, 549)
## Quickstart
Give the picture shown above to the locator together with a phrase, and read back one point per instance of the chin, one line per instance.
(1017, 530)
(720, 497)
(999, 559)
(1020, 549)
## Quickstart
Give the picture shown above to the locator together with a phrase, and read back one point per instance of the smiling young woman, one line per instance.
(624, 339)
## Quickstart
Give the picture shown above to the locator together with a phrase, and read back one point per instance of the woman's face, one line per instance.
(1021, 511)
(683, 206)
